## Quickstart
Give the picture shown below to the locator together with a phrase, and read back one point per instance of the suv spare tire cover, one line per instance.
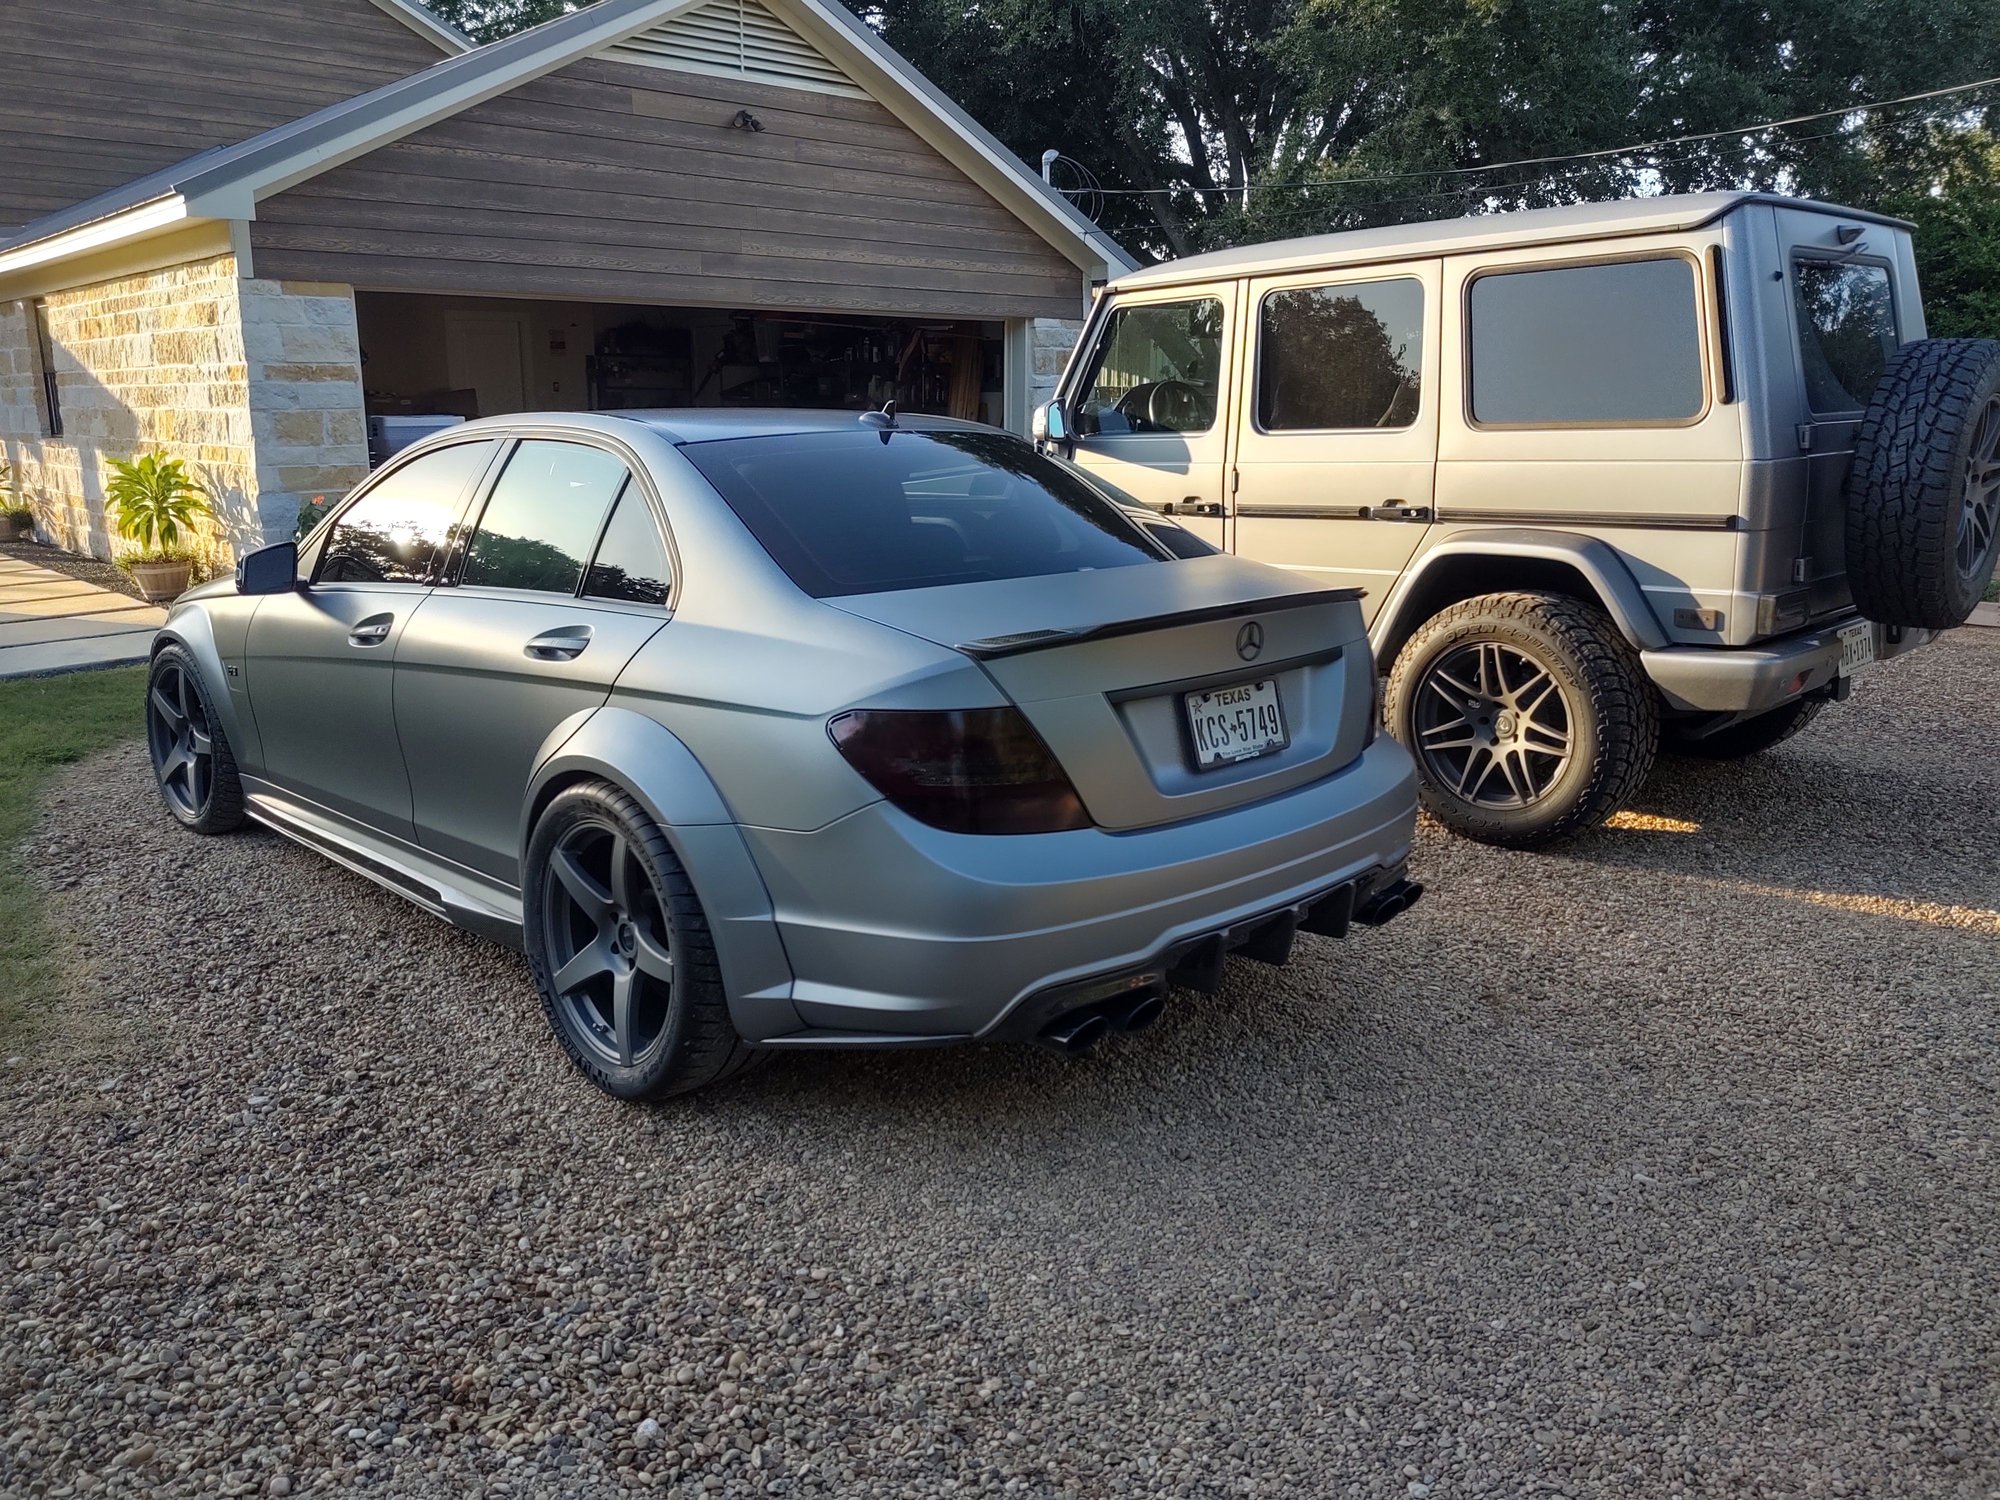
(1923, 492)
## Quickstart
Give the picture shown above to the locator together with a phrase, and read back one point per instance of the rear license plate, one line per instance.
(1857, 647)
(1235, 723)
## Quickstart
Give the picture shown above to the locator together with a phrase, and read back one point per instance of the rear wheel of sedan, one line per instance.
(621, 952)
(193, 765)
(1528, 715)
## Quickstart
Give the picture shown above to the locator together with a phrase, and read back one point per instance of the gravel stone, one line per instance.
(1660, 1164)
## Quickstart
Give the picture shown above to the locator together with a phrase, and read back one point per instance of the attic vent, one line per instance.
(735, 39)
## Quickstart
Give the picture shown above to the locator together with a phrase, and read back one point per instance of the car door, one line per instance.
(1149, 398)
(318, 662)
(561, 579)
(1336, 434)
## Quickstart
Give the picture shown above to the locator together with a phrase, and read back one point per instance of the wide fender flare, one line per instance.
(650, 762)
(191, 629)
(1599, 563)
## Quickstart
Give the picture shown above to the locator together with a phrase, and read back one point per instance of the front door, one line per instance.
(1336, 447)
(564, 578)
(483, 353)
(319, 661)
(1148, 404)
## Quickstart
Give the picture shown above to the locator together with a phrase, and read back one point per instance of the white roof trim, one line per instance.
(134, 223)
(427, 25)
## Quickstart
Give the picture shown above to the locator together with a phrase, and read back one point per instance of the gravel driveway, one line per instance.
(1664, 1163)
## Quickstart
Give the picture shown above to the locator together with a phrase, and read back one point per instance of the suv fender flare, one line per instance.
(1413, 599)
(650, 762)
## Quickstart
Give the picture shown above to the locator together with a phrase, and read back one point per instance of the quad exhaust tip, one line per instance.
(1077, 1032)
(1389, 903)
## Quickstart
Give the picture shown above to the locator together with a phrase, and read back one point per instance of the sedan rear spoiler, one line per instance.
(1042, 640)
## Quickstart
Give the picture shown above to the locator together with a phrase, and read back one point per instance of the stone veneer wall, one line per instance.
(255, 384)
(1049, 343)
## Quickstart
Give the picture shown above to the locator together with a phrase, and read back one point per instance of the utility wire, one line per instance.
(1537, 161)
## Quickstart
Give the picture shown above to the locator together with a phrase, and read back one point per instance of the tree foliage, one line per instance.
(1213, 122)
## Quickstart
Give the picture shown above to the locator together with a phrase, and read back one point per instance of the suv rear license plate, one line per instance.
(1235, 723)
(1857, 647)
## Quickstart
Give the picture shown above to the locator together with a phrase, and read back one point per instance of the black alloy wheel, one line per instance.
(609, 944)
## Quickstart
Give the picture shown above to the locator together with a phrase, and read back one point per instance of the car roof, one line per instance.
(1533, 226)
(715, 424)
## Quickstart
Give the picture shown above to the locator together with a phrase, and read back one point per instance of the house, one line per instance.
(290, 217)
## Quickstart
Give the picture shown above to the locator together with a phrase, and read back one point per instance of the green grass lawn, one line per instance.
(46, 723)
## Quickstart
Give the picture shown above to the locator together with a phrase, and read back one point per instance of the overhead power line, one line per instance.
(1539, 161)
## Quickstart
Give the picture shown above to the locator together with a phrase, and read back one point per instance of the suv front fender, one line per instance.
(649, 761)
(1506, 559)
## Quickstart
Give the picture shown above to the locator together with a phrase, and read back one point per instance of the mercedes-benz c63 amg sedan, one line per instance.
(786, 729)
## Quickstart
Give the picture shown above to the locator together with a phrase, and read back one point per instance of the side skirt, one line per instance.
(443, 889)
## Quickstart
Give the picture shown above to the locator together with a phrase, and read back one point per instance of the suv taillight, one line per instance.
(968, 770)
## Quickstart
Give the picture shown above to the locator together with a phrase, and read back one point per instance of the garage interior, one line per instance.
(428, 355)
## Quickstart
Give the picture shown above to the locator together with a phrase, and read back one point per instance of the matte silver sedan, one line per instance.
(763, 730)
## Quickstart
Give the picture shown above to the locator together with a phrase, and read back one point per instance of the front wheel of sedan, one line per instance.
(621, 952)
(192, 762)
(1528, 715)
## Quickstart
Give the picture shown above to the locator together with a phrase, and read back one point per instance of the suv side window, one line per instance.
(1847, 330)
(631, 561)
(544, 513)
(394, 533)
(1156, 369)
(1335, 357)
(1610, 345)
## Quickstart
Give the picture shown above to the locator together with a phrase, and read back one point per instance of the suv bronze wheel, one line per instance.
(1528, 715)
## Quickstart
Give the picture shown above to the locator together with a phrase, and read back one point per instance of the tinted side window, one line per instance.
(631, 561)
(1156, 369)
(1341, 356)
(1588, 344)
(1847, 330)
(394, 533)
(543, 515)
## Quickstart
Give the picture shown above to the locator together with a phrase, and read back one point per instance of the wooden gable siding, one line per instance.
(94, 93)
(622, 183)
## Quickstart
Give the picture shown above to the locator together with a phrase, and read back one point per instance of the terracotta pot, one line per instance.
(160, 581)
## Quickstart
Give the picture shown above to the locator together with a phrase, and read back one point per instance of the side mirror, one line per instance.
(269, 570)
(1051, 424)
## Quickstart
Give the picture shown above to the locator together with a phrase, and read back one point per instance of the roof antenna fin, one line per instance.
(883, 421)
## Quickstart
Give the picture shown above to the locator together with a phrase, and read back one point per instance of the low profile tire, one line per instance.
(621, 952)
(1923, 490)
(1528, 715)
(1751, 737)
(193, 765)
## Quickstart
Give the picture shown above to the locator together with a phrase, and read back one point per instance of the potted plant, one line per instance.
(155, 504)
(17, 517)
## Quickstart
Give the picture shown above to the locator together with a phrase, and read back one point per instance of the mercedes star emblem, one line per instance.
(1250, 641)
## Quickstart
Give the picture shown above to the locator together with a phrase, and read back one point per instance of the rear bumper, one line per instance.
(1750, 679)
(901, 934)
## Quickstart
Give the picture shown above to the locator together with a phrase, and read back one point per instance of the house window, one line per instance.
(45, 366)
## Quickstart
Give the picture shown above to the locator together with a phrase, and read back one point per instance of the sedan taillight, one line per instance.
(968, 770)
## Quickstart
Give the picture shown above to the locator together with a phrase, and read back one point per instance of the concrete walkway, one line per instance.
(50, 622)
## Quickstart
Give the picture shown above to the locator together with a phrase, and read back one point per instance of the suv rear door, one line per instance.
(1337, 415)
(1149, 399)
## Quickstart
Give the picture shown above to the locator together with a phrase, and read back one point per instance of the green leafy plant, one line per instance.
(12, 501)
(154, 503)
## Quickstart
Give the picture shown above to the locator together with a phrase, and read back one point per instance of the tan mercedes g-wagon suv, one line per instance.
(1675, 468)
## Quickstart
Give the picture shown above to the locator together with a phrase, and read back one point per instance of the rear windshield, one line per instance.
(850, 513)
(1847, 330)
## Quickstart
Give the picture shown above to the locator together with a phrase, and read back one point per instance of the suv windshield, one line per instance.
(851, 513)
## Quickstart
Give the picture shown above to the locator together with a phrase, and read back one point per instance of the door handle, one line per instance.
(372, 631)
(564, 643)
(1398, 512)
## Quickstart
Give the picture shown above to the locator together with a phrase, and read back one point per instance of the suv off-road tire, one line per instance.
(697, 1043)
(1923, 490)
(1751, 737)
(1611, 713)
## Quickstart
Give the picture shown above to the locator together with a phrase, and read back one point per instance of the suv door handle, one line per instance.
(564, 643)
(372, 631)
(1396, 512)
